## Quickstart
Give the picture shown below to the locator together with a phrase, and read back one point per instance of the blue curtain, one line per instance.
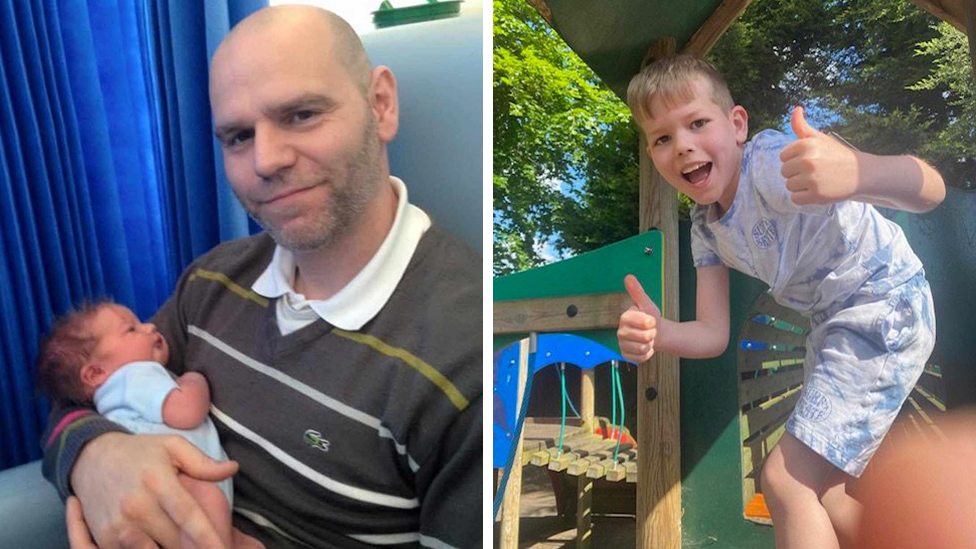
(110, 179)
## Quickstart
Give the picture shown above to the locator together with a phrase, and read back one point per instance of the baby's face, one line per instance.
(696, 145)
(122, 338)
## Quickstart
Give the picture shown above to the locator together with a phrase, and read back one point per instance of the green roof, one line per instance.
(614, 36)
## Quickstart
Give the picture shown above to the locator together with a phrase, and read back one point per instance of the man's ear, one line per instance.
(93, 375)
(740, 120)
(384, 103)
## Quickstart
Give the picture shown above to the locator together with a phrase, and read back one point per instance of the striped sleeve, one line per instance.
(450, 486)
(68, 430)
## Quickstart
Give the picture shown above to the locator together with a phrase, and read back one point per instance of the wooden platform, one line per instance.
(583, 453)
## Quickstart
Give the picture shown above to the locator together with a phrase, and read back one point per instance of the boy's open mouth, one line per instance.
(696, 174)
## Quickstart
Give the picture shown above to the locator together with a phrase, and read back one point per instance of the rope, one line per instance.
(562, 424)
(613, 401)
(620, 392)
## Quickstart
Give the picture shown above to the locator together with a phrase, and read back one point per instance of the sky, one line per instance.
(359, 13)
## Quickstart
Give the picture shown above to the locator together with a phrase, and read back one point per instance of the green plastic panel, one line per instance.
(945, 240)
(597, 272)
(612, 36)
(711, 459)
(388, 16)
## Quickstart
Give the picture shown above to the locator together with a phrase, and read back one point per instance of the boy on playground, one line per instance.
(795, 214)
(102, 354)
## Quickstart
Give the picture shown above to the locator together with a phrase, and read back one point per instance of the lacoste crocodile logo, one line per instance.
(314, 439)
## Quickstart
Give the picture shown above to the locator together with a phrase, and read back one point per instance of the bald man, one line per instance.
(342, 344)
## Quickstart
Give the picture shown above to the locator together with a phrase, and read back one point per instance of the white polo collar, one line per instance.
(366, 294)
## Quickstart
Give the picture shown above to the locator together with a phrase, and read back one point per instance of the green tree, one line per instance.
(954, 148)
(884, 73)
(766, 56)
(553, 122)
(870, 60)
(899, 82)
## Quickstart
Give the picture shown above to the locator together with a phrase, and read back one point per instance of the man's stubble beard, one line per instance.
(346, 203)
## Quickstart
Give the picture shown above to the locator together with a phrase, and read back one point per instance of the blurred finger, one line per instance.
(639, 336)
(78, 535)
(637, 293)
(189, 517)
(791, 168)
(800, 126)
(637, 320)
(796, 184)
(791, 151)
(133, 538)
(636, 352)
(244, 541)
(147, 520)
(190, 460)
(803, 198)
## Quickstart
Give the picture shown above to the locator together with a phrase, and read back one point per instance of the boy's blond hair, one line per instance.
(672, 79)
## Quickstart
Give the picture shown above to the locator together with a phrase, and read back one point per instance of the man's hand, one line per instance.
(244, 541)
(818, 168)
(128, 488)
(638, 325)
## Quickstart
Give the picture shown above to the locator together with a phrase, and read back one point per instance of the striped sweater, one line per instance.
(344, 439)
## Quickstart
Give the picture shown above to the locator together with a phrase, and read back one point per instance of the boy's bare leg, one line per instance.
(793, 478)
(844, 511)
(215, 506)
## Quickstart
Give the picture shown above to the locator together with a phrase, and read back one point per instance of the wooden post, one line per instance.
(715, 26)
(584, 485)
(658, 420)
(587, 392)
(513, 492)
(969, 8)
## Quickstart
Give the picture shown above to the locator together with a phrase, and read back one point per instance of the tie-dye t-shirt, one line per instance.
(810, 256)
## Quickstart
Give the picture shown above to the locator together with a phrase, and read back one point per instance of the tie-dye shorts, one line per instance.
(863, 357)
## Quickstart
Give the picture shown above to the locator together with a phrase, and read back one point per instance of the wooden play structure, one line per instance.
(583, 296)
(734, 407)
(704, 431)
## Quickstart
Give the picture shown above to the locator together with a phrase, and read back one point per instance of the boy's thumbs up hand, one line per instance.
(818, 169)
(800, 126)
(638, 324)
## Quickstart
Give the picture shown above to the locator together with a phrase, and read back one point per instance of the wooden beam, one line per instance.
(958, 13)
(754, 331)
(559, 314)
(541, 7)
(662, 48)
(713, 27)
(969, 17)
(513, 491)
(658, 418)
(950, 11)
(584, 512)
(757, 388)
(584, 486)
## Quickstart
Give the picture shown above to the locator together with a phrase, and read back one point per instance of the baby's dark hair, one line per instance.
(64, 351)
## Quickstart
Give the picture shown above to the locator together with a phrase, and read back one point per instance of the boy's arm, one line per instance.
(186, 406)
(821, 170)
(642, 331)
(900, 182)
